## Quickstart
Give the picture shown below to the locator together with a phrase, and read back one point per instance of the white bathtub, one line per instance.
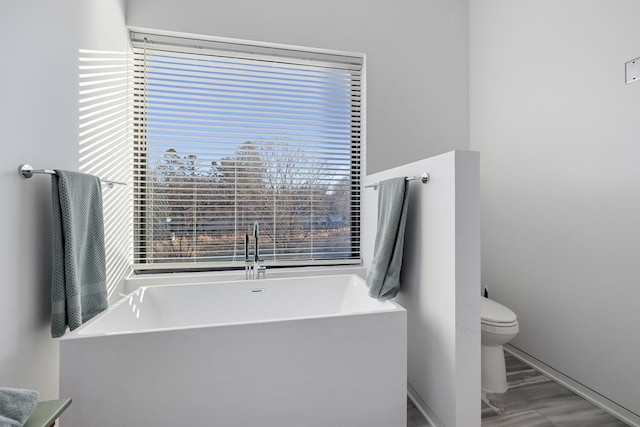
(303, 352)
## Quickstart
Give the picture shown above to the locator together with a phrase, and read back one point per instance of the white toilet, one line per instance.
(499, 326)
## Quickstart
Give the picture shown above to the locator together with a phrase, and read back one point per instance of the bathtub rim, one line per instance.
(79, 332)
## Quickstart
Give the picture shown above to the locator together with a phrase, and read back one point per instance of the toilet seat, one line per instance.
(496, 315)
(499, 324)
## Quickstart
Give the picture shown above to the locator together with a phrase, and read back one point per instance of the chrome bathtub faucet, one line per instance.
(253, 269)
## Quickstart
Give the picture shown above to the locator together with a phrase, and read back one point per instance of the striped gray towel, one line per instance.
(383, 278)
(79, 282)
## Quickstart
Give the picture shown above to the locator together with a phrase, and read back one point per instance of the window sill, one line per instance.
(133, 282)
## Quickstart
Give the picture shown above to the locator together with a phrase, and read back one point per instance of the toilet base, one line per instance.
(494, 372)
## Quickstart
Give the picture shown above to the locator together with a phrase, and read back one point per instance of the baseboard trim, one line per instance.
(423, 407)
(579, 389)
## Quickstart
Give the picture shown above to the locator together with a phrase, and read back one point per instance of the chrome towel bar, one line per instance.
(424, 178)
(27, 171)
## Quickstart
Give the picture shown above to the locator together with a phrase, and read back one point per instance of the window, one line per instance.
(226, 134)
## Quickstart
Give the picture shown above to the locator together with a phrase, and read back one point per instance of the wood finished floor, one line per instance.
(415, 417)
(532, 400)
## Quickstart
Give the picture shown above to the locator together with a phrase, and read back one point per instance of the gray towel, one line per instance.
(79, 282)
(16, 406)
(8, 422)
(383, 278)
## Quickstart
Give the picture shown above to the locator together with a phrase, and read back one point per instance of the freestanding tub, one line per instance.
(303, 352)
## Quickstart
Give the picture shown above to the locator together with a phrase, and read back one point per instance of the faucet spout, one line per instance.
(256, 236)
(252, 269)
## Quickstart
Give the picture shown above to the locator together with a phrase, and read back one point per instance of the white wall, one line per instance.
(39, 125)
(417, 58)
(558, 133)
(106, 150)
(440, 283)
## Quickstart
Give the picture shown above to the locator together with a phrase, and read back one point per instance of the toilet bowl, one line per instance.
(499, 325)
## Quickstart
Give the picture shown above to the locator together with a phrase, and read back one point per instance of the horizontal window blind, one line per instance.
(227, 135)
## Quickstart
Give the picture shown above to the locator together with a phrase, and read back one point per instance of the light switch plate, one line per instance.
(632, 71)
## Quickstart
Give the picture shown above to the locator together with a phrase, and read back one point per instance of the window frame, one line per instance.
(185, 43)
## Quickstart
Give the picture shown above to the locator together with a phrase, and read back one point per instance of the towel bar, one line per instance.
(27, 171)
(424, 178)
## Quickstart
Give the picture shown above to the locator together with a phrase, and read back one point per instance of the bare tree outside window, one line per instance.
(203, 209)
